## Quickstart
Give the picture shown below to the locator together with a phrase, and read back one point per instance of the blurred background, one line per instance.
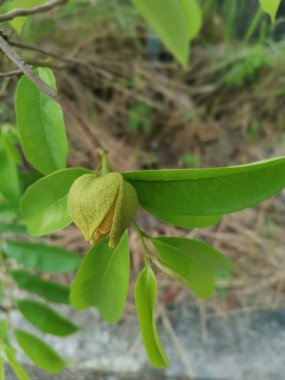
(227, 108)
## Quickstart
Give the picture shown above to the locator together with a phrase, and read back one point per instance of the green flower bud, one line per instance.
(102, 205)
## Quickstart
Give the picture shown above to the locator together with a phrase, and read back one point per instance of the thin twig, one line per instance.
(180, 349)
(59, 57)
(26, 69)
(31, 11)
(70, 60)
(67, 106)
(11, 73)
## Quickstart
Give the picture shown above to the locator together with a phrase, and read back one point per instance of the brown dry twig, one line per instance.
(11, 73)
(65, 103)
(31, 11)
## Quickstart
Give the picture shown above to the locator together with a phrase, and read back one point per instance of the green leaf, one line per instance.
(41, 125)
(51, 291)
(168, 20)
(102, 280)
(189, 221)
(18, 22)
(193, 15)
(2, 363)
(8, 211)
(3, 329)
(45, 318)
(41, 257)
(205, 192)
(44, 205)
(9, 180)
(42, 355)
(13, 228)
(16, 366)
(145, 295)
(270, 7)
(191, 262)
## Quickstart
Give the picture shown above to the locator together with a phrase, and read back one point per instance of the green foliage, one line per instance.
(185, 198)
(49, 290)
(13, 228)
(188, 161)
(270, 7)
(16, 366)
(41, 257)
(175, 22)
(19, 22)
(246, 69)
(40, 353)
(191, 262)
(3, 329)
(138, 118)
(44, 205)
(42, 131)
(9, 161)
(45, 318)
(145, 296)
(193, 15)
(208, 192)
(188, 221)
(103, 276)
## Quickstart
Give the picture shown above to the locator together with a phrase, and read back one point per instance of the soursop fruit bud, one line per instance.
(100, 206)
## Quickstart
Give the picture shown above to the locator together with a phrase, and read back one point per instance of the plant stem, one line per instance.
(4, 265)
(141, 236)
(2, 369)
(103, 158)
(253, 25)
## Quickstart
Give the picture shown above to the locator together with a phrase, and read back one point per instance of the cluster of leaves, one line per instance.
(201, 198)
(138, 118)
(36, 258)
(185, 198)
(22, 266)
(246, 69)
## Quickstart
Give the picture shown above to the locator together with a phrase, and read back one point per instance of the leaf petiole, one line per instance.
(142, 235)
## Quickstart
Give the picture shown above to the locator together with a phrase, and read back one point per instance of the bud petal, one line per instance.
(102, 205)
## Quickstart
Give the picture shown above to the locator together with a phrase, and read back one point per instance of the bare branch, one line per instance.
(69, 60)
(66, 105)
(31, 11)
(26, 69)
(11, 73)
(23, 45)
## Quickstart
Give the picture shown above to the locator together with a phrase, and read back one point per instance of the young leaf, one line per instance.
(16, 366)
(145, 295)
(45, 318)
(51, 291)
(205, 192)
(8, 211)
(9, 180)
(44, 205)
(102, 280)
(189, 221)
(3, 329)
(13, 228)
(193, 16)
(191, 262)
(2, 363)
(270, 7)
(42, 355)
(19, 22)
(42, 130)
(41, 257)
(168, 20)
